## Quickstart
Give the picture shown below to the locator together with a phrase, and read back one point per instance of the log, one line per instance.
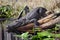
(46, 19)
(25, 28)
(30, 26)
(50, 23)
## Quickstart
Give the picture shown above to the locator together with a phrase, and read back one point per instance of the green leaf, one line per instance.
(24, 35)
(57, 35)
(49, 39)
(44, 33)
(35, 38)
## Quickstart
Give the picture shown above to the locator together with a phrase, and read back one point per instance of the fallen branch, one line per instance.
(46, 19)
(50, 23)
(30, 26)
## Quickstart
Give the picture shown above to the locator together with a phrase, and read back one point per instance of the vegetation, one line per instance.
(48, 34)
(6, 11)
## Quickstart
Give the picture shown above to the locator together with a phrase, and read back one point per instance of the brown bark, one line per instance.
(46, 19)
(27, 27)
(50, 23)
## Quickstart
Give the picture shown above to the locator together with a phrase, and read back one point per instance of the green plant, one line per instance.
(45, 35)
(23, 36)
(6, 11)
